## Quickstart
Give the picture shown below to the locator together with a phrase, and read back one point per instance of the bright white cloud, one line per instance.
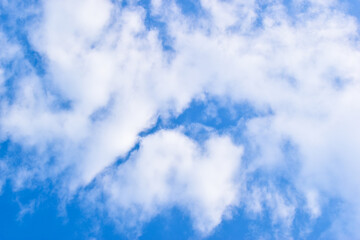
(118, 79)
(170, 169)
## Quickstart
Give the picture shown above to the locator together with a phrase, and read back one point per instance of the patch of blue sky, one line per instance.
(15, 155)
(47, 221)
(171, 224)
(352, 7)
(202, 117)
(190, 7)
(305, 227)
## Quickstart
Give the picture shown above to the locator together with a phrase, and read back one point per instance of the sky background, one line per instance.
(179, 119)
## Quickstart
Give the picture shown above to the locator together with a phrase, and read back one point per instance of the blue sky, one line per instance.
(180, 119)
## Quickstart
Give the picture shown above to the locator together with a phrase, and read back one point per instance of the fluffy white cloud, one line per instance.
(101, 58)
(170, 169)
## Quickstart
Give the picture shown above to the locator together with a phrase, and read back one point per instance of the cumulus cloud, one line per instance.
(170, 169)
(108, 77)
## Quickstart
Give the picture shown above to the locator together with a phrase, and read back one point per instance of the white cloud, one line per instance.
(118, 79)
(170, 169)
